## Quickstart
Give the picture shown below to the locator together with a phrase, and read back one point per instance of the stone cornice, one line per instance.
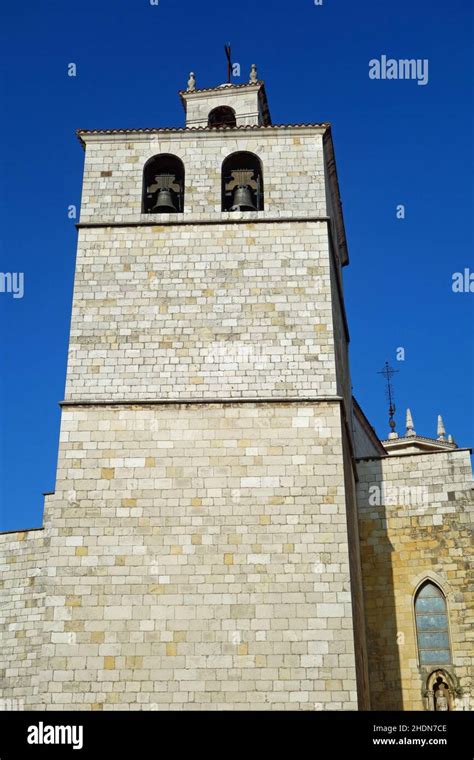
(145, 134)
(412, 454)
(293, 400)
(189, 219)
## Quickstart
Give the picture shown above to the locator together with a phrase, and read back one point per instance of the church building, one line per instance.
(227, 531)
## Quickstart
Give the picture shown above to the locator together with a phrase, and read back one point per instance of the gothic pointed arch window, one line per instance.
(222, 116)
(432, 626)
(242, 182)
(163, 185)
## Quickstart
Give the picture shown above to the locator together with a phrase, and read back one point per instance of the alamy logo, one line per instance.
(12, 282)
(393, 496)
(404, 68)
(463, 282)
(42, 734)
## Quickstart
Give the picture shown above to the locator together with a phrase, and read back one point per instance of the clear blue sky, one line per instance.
(396, 143)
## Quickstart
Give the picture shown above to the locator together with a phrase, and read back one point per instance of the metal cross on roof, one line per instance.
(388, 373)
(228, 52)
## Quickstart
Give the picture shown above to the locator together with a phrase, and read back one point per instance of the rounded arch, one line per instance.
(163, 185)
(222, 116)
(242, 182)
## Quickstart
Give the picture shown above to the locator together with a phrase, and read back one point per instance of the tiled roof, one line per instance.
(225, 86)
(152, 130)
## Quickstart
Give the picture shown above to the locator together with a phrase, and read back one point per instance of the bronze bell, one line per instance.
(242, 200)
(164, 202)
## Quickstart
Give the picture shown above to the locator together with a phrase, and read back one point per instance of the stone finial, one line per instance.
(410, 431)
(253, 74)
(450, 439)
(191, 82)
(441, 429)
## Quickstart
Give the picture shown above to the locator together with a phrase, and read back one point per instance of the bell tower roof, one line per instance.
(247, 102)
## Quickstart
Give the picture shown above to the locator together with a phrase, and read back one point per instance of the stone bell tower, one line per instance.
(204, 546)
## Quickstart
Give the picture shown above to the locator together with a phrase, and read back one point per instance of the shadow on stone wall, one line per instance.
(383, 636)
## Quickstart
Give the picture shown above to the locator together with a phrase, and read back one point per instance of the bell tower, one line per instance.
(235, 105)
(204, 520)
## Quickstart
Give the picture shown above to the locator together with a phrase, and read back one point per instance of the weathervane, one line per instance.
(228, 53)
(388, 372)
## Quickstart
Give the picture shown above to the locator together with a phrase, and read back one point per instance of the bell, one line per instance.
(164, 203)
(243, 199)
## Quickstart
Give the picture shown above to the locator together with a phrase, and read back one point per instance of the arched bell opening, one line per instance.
(242, 182)
(163, 185)
(222, 116)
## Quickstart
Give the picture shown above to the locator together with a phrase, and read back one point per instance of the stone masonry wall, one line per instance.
(202, 311)
(292, 162)
(202, 559)
(244, 102)
(420, 533)
(22, 569)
